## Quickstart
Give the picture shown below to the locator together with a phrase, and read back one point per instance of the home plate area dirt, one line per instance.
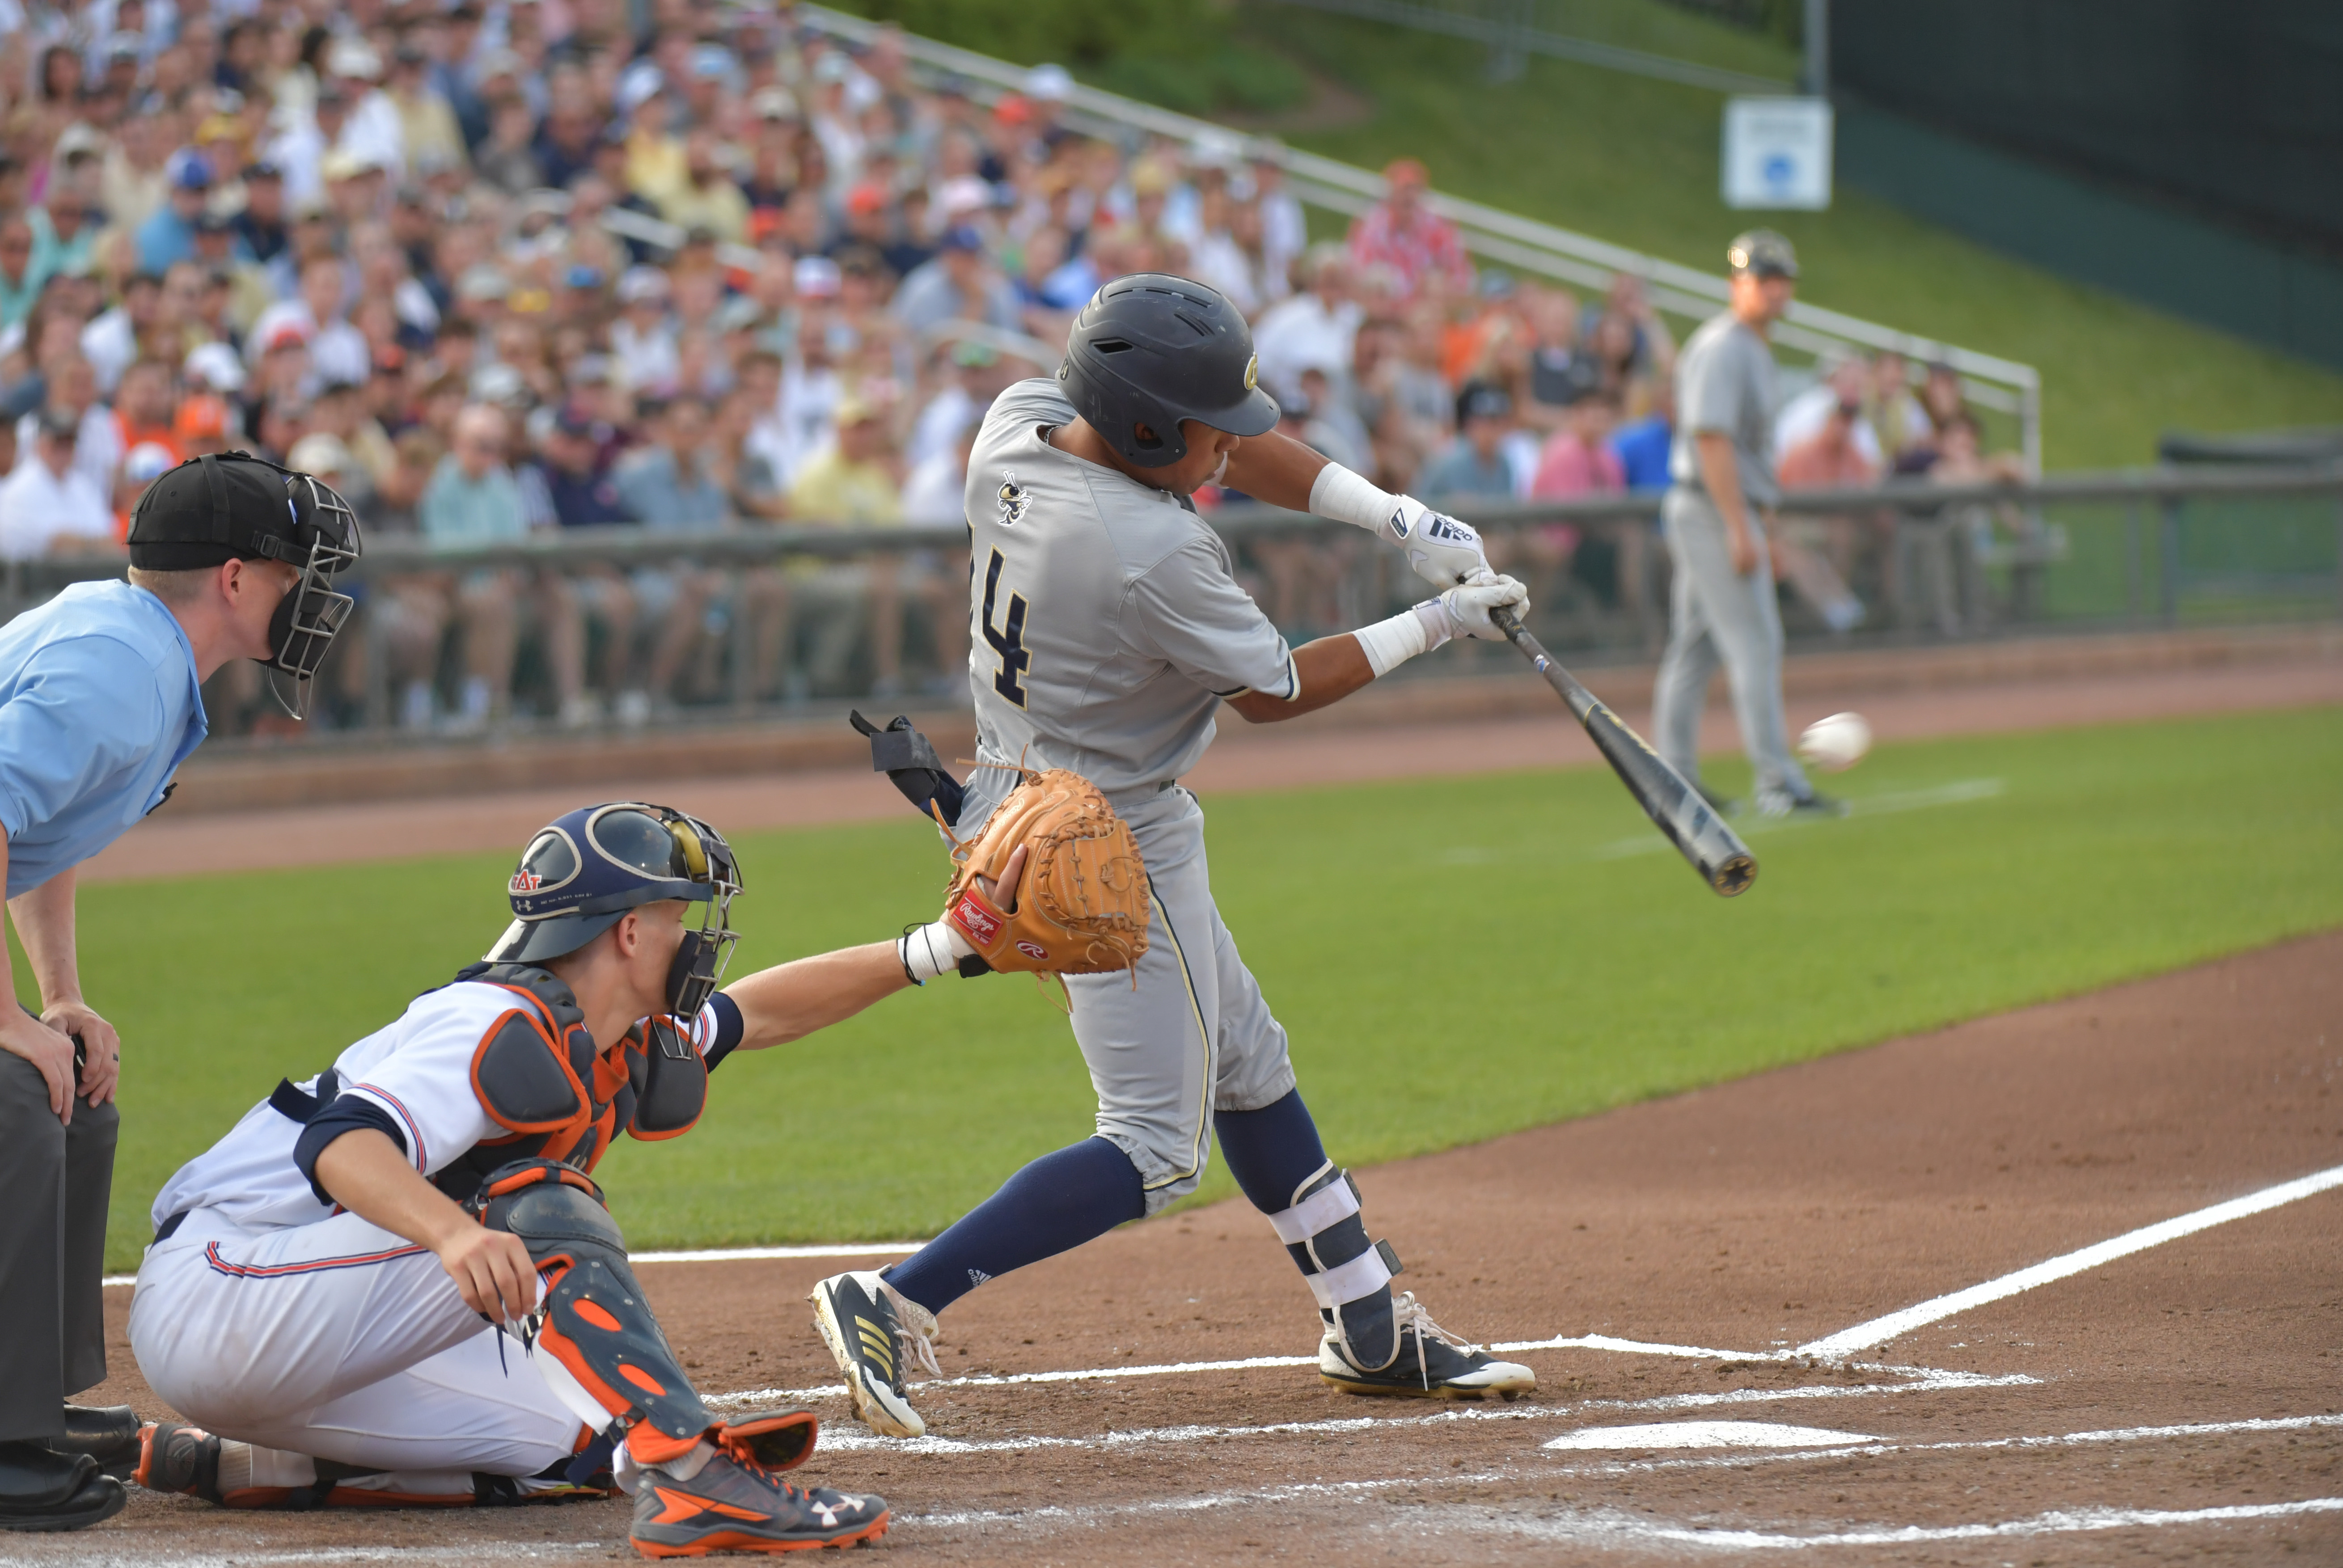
(2182, 1400)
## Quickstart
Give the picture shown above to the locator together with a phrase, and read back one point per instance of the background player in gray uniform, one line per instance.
(1722, 604)
(1107, 632)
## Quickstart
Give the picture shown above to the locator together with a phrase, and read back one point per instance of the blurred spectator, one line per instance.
(958, 285)
(49, 506)
(1315, 328)
(1578, 458)
(20, 279)
(1846, 381)
(1473, 464)
(1401, 232)
(170, 234)
(1816, 555)
(668, 485)
(1642, 445)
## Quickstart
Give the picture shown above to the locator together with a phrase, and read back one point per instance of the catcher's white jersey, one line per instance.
(1104, 625)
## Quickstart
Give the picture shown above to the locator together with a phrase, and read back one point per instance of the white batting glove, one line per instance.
(1443, 550)
(1467, 607)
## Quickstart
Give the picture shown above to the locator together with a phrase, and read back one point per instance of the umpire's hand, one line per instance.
(101, 1047)
(22, 1034)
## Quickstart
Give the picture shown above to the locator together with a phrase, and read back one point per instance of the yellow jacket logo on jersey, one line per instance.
(1013, 500)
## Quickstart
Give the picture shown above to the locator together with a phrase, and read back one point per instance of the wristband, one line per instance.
(1344, 496)
(1388, 644)
(929, 951)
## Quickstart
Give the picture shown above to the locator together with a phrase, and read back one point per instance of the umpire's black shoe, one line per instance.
(1432, 1363)
(108, 1434)
(41, 1489)
(872, 1329)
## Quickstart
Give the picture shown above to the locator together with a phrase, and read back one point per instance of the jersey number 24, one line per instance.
(1009, 642)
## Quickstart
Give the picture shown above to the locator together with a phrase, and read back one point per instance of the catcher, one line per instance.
(1111, 634)
(395, 1282)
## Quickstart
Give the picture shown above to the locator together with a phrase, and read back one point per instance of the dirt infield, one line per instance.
(2181, 1400)
(1318, 749)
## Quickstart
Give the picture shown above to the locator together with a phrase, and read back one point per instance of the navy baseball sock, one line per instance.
(1051, 1206)
(1271, 1152)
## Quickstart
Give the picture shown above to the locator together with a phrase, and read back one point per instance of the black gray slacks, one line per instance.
(55, 1181)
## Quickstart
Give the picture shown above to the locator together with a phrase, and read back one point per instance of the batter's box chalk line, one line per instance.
(1875, 1448)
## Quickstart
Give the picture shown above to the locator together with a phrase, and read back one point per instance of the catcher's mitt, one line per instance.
(1079, 905)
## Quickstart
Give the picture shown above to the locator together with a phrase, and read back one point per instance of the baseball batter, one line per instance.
(1107, 632)
(395, 1281)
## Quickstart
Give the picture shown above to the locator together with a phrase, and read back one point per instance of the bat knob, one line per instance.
(1734, 877)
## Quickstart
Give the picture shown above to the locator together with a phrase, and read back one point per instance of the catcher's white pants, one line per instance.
(341, 1341)
(1193, 1035)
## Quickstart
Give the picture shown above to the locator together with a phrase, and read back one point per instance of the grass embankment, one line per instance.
(1454, 959)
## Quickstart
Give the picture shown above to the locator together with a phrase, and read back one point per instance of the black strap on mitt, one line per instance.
(904, 755)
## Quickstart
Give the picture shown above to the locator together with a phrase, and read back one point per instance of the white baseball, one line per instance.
(1838, 743)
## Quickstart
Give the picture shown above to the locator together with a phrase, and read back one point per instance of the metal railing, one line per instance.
(758, 619)
(1988, 380)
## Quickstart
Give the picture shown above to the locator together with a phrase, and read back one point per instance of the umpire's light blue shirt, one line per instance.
(99, 705)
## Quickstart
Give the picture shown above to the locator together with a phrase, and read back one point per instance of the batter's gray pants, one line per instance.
(1193, 1035)
(1717, 615)
(57, 1179)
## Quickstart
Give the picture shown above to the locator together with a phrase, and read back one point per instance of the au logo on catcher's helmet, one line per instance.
(1014, 499)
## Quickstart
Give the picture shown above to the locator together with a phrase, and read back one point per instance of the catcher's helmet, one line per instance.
(1150, 349)
(586, 867)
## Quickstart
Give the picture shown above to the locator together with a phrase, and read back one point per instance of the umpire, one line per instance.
(101, 700)
(1722, 605)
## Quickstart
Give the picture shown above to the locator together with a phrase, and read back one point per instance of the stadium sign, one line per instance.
(1777, 153)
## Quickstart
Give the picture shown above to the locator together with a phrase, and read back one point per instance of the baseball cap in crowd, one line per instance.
(831, 68)
(147, 462)
(581, 276)
(318, 452)
(1479, 400)
(78, 141)
(500, 384)
(866, 197)
(591, 370)
(62, 424)
(354, 57)
(1762, 252)
(188, 170)
(482, 281)
(1013, 109)
(854, 409)
(286, 335)
(773, 103)
(815, 277)
(1406, 172)
(972, 355)
(1050, 83)
(212, 222)
(262, 169)
(573, 421)
(962, 238)
(710, 61)
(637, 285)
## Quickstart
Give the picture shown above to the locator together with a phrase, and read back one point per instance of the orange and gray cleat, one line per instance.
(736, 1502)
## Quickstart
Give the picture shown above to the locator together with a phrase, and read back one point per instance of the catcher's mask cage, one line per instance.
(586, 869)
(1152, 349)
(319, 538)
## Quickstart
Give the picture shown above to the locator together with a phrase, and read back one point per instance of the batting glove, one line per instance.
(1468, 607)
(1443, 550)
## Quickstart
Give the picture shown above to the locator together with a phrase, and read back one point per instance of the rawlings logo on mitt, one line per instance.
(1079, 905)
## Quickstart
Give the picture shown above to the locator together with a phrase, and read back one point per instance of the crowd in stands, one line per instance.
(496, 267)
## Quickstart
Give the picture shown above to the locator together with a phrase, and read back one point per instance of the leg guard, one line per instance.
(595, 1320)
(1350, 1275)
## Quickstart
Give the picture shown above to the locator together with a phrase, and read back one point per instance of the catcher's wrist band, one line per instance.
(929, 951)
(1348, 498)
(1388, 644)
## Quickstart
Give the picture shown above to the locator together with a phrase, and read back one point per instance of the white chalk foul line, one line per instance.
(1879, 1331)
(836, 1438)
(1616, 1528)
(1873, 1448)
(725, 1254)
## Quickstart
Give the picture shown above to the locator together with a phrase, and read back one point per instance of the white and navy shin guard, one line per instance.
(1350, 1275)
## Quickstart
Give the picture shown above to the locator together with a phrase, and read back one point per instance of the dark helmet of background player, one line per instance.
(232, 506)
(1762, 252)
(1150, 349)
(586, 867)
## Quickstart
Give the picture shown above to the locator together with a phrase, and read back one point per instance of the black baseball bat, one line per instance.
(1691, 824)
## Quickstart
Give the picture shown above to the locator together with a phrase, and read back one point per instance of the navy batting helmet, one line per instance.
(1150, 349)
(586, 869)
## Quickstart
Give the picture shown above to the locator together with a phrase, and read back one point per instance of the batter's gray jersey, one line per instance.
(1104, 625)
(1104, 630)
(1725, 383)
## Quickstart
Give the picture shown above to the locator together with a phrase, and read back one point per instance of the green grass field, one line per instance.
(1455, 958)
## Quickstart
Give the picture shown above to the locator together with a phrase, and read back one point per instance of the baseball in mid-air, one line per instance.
(1838, 743)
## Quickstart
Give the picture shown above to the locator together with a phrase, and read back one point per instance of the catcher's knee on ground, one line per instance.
(595, 1323)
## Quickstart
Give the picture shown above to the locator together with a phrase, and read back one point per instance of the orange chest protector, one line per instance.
(537, 1074)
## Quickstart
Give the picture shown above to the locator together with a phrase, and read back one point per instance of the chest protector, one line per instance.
(538, 1076)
